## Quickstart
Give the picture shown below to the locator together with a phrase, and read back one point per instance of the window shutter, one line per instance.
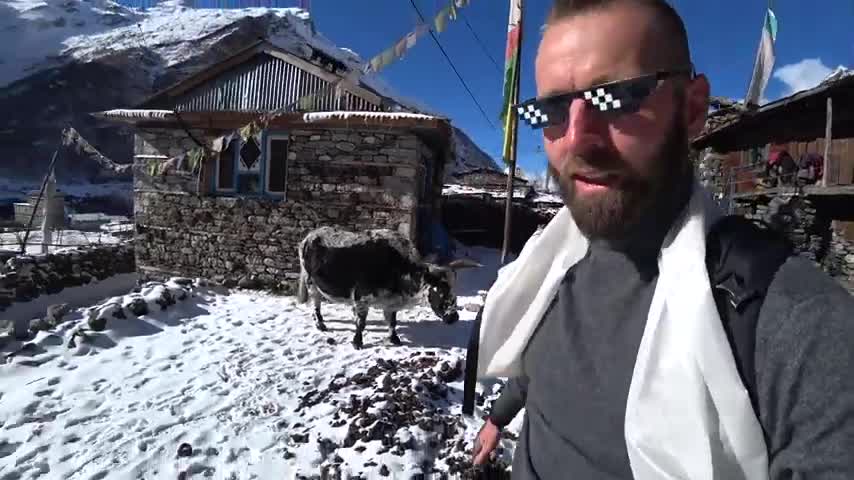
(277, 165)
(225, 176)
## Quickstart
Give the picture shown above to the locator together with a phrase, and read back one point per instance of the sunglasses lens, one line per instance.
(621, 97)
(540, 114)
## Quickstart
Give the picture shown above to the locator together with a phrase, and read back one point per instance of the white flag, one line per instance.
(764, 60)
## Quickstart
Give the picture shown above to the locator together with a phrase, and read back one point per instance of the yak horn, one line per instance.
(463, 263)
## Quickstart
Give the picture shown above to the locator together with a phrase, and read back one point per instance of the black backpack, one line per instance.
(742, 257)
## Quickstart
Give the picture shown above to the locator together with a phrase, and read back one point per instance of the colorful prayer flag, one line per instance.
(400, 48)
(441, 20)
(765, 58)
(410, 40)
(388, 56)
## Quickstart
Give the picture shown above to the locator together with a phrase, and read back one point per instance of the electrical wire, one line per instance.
(480, 42)
(454, 68)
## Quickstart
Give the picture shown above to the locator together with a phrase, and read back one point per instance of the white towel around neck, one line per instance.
(688, 415)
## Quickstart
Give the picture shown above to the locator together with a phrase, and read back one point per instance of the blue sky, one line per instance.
(814, 37)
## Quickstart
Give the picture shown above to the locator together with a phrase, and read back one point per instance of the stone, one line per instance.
(185, 450)
(370, 140)
(39, 325)
(56, 312)
(405, 172)
(410, 142)
(345, 146)
(138, 306)
(247, 282)
(97, 322)
(314, 138)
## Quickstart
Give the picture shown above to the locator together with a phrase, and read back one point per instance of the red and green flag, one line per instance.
(511, 74)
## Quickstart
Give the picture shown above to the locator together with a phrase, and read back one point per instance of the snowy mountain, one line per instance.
(85, 56)
(838, 74)
(469, 156)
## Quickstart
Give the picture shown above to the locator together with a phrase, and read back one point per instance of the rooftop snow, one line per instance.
(135, 113)
(838, 74)
(466, 190)
(343, 115)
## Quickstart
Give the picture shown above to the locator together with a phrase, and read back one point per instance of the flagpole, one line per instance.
(511, 123)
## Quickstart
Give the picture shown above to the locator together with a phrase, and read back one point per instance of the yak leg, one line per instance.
(391, 318)
(318, 317)
(361, 313)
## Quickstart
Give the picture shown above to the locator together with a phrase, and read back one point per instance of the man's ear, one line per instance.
(697, 104)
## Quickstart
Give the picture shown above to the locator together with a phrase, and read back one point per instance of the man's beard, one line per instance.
(656, 194)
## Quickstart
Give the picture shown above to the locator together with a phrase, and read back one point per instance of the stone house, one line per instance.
(351, 158)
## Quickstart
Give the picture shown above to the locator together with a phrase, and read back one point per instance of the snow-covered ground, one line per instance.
(20, 189)
(248, 383)
(63, 240)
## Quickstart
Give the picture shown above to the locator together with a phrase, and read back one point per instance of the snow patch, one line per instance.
(62, 240)
(454, 189)
(75, 297)
(342, 115)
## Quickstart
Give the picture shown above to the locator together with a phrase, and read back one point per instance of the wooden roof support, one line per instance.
(828, 137)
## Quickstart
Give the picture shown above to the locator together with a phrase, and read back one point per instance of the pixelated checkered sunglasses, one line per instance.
(621, 96)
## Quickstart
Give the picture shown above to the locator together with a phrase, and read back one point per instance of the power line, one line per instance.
(480, 42)
(485, 116)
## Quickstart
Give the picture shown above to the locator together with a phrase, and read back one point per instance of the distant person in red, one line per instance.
(781, 168)
(810, 168)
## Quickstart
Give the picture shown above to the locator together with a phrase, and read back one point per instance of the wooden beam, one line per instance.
(828, 138)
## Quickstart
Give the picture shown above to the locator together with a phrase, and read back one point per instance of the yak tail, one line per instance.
(302, 289)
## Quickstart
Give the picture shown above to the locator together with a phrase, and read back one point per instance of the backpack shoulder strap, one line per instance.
(742, 257)
(470, 377)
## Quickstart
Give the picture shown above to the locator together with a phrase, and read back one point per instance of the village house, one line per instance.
(474, 206)
(818, 216)
(350, 156)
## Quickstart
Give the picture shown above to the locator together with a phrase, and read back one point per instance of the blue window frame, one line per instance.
(254, 167)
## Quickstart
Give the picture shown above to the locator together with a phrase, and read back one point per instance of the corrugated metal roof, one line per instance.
(261, 84)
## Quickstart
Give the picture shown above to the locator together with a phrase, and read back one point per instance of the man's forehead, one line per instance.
(593, 48)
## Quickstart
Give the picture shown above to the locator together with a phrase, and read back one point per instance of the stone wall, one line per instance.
(798, 218)
(26, 277)
(840, 259)
(354, 179)
(810, 232)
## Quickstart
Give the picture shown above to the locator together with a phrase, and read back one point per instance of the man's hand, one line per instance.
(485, 443)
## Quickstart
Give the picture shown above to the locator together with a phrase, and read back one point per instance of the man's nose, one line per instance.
(586, 128)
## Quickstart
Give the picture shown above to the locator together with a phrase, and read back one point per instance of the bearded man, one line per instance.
(606, 323)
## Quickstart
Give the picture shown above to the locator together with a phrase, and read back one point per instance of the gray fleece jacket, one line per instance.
(804, 362)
